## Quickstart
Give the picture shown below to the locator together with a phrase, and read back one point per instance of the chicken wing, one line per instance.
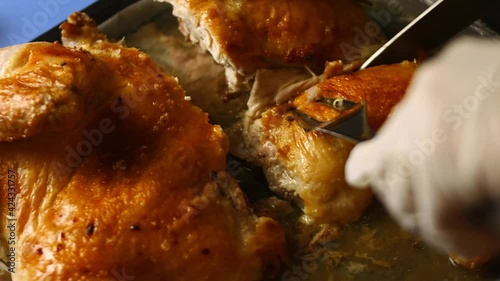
(257, 34)
(115, 174)
(308, 167)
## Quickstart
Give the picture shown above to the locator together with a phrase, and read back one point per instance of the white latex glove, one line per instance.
(435, 164)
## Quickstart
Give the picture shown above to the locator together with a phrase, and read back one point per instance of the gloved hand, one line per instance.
(435, 164)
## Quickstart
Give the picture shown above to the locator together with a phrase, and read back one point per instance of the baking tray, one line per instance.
(374, 248)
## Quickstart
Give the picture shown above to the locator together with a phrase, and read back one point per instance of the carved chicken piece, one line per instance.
(308, 167)
(117, 175)
(248, 35)
(202, 79)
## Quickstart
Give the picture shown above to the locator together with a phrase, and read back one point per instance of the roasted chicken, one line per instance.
(202, 79)
(308, 167)
(116, 175)
(248, 35)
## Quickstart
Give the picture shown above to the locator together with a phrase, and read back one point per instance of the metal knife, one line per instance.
(351, 124)
(435, 26)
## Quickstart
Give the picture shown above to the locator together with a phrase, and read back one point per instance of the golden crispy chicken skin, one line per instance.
(44, 87)
(381, 87)
(247, 35)
(133, 185)
(308, 167)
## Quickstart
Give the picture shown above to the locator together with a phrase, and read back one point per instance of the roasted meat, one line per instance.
(116, 175)
(248, 35)
(308, 167)
(202, 79)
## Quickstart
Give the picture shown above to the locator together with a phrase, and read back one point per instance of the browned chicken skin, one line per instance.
(44, 87)
(308, 167)
(249, 35)
(381, 87)
(118, 175)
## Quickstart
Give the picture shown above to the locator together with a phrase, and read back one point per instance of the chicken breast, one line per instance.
(248, 35)
(108, 173)
(308, 167)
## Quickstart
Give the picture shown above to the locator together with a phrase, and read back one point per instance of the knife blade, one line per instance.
(432, 28)
(352, 126)
(424, 34)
